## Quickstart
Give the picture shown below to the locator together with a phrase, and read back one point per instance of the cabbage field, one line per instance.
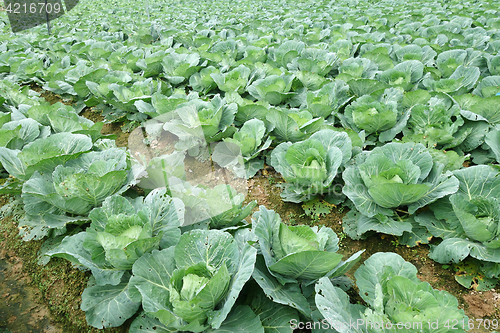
(257, 166)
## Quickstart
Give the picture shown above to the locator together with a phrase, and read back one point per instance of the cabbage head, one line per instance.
(310, 166)
(395, 175)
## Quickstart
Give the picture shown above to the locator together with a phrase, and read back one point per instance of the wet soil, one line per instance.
(36, 298)
(20, 307)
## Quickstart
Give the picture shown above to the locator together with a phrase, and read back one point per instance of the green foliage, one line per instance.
(190, 291)
(397, 175)
(310, 166)
(298, 253)
(470, 226)
(377, 113)
(413, 86)
(273, 89)
(393, 294)
(248, 142)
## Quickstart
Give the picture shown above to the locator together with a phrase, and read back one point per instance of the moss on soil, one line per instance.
(60, 284)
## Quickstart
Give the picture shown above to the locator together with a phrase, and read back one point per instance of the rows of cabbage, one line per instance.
(386, 105)
(74, 185)
(221, 274)
(147, 264)
(284, 60)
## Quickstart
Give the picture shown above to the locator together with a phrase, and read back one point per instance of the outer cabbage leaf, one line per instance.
(314, 60)
(448, 61)
(357, 68)
(393, 293)
(220, 207)
(356, 225)
(469, 223)
(415, 52)
(179, 67)
(202, 81)
(44, 154)
(72, 249)
(234, 80)
(247, 143)
(286, 52)
(488, 87)
(297, 253)
(334, 305)
(197, 123)
(16, 134)
(328, 100)
(404, 75)
(275, 317)
(108, 305)
(289, 125)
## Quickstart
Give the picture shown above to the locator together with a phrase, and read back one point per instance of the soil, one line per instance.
(21, 308)
(36, 298)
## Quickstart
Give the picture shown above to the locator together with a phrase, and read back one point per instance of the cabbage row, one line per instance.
(151, 261)
(395, 103)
